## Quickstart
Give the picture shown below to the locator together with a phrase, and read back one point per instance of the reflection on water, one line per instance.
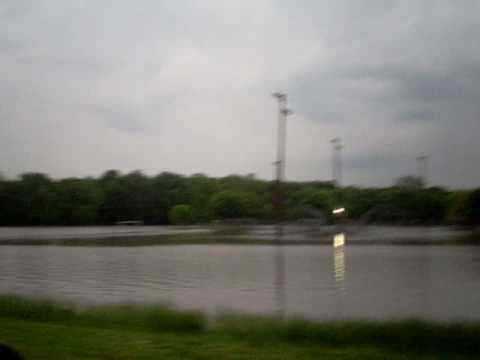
(339, 259)
(439, 282)
(338, 240)
(280, 295)
(279, 273)
(339, 274)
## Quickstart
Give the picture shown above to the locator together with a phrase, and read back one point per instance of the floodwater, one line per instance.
(313, 281)
(92, 232)
(292, 233)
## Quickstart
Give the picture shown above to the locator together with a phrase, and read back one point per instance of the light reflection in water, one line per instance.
(338, 240)
(339, 268)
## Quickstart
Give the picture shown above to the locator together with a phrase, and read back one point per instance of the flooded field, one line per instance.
(289, 233)
(91, 232)
(339, 281)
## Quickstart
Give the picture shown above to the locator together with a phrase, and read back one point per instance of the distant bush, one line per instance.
(409, 206)
(357, 201)
(475, 206)
(318, 199)
(181, 215)
(459, 209)
(464, 207)
(228, 205)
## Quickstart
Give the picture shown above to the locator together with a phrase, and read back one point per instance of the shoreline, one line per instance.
(241, 235)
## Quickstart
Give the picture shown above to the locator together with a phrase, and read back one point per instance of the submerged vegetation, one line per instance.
(35, 199)
(42, 329)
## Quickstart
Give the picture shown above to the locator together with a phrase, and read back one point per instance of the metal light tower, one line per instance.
(422, 169)
(337, 160)
(283, 113)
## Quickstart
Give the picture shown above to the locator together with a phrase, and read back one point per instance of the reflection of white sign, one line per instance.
(338, 211)
(338, 240)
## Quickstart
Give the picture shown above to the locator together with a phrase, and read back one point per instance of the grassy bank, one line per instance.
(43, 329)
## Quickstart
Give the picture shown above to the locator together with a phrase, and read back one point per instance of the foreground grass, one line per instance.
(45, 330)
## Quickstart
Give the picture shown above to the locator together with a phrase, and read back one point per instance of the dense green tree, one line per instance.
(459, 207)
(181, 215)
(409, 205)
(310, 202)
(35, 199)
(168, 190)
(77, 202)
(475, 206)
(228, 205)
(310, 196)
(201, 189)
(11, 211)
(125, 198)
(464, 207)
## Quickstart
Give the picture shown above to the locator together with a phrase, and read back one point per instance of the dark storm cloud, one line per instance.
(97, 85)
(452, 84)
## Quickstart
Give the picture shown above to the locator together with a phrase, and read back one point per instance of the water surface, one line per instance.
(314, 281)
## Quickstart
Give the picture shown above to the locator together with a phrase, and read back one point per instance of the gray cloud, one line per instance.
(186, 87)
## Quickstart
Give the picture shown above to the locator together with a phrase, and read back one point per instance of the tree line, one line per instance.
(168, 198)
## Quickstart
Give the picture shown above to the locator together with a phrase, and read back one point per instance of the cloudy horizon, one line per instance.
(185, 86)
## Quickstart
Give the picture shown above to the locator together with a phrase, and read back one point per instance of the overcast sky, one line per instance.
(184, 86)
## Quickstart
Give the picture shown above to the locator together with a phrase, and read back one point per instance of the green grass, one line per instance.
(37, 340)
(150, 318)
(405, 335)
(41, 329)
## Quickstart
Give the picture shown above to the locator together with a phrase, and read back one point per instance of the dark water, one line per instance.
(370, 281)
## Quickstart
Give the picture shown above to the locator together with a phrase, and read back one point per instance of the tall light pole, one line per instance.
(283, 113)
(337, 160)
(422, 169)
